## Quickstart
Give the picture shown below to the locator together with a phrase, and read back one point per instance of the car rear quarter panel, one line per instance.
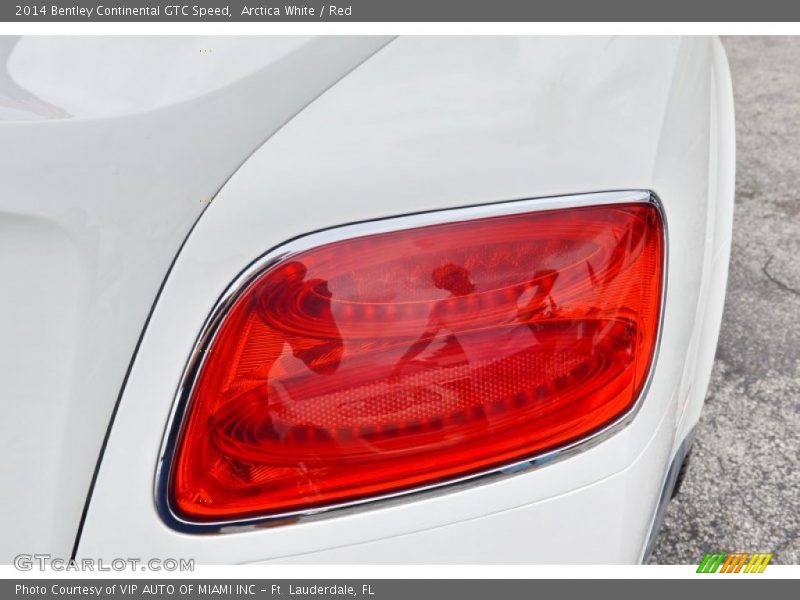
(425, 124)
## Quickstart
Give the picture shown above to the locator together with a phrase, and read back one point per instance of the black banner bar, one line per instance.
(708, 586)
(399, 10)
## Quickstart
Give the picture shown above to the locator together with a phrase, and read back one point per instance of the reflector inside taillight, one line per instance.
(400, 360)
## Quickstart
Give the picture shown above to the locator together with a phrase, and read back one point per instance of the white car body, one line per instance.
(140, 176)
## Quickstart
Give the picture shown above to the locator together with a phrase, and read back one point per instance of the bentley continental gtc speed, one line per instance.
(356, 299)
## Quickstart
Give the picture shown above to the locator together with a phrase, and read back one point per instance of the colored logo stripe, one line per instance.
(733, 562)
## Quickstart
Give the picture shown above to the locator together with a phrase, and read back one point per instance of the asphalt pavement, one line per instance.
(742, 488)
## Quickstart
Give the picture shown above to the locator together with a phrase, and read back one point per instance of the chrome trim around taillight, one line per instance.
(338, 233)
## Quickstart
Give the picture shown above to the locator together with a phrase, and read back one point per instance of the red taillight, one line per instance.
(384, 363)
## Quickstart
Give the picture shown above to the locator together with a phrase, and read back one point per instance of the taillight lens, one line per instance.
(400, 360)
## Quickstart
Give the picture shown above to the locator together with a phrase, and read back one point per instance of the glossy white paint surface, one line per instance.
(96, 76)
(433, 123)
(110, 148)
